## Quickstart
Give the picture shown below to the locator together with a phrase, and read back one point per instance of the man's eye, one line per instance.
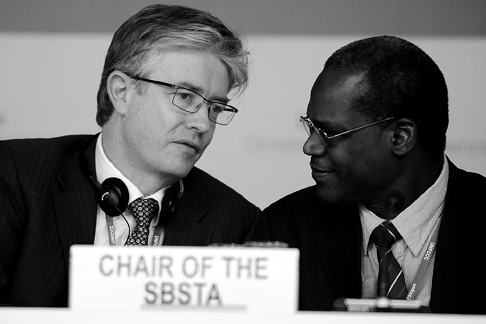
(216, 109)
(185, 96)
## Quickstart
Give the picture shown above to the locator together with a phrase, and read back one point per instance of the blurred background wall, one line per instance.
(52, 53)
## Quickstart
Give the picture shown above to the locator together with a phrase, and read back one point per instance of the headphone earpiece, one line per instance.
(112, 195)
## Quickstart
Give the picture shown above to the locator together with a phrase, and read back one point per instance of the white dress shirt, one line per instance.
(416, 224)
(105, 169)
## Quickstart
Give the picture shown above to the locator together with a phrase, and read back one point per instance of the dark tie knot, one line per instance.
(143, 210)
(385, 235)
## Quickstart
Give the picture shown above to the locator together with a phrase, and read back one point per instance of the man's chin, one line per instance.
(178, 172)
(181, 173)
(328, 196)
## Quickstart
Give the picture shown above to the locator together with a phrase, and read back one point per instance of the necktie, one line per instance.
(144, 211)
(390, 276)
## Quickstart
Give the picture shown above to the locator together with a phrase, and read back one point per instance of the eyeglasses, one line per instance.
(309, 126)
(190, 101)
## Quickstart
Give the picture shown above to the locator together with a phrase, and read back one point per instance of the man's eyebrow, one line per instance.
(200, 90)
(190, 86)
(328, 127)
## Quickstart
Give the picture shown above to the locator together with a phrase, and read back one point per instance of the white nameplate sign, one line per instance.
(244, 279)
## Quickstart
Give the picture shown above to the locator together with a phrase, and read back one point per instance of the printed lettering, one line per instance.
(111, 229)
(189, 267)
(196, 294)
(137, 266)
(429, 251)
(150, 289)
(245, 267)
(102, 268)
(260, 266)
(412, 291)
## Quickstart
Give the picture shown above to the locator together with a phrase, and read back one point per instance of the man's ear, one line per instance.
(117, 86)
(404, 136)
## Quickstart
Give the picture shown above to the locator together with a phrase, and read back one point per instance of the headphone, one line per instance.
(112, 195)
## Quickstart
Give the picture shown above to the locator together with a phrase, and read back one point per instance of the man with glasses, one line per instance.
(166, 84)
(390, 215)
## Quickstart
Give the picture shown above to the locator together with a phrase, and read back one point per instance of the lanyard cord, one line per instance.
(419, 277)
(112, 236)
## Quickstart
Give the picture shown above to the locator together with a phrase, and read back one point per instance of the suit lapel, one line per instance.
(340, 250)
(192, 225)
(75, 203)
(450, 267)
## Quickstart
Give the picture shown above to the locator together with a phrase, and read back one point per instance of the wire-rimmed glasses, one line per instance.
(309, 126)
(190, 101)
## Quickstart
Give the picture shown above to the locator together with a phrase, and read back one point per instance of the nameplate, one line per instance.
(241, 279)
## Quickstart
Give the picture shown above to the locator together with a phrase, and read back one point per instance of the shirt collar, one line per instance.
(415, 223)
(105, 169)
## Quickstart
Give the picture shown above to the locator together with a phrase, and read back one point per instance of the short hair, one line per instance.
(161, 28)
(400, 80)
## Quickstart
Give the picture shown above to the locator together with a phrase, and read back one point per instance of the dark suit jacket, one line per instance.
(329, 238)
(48, 204)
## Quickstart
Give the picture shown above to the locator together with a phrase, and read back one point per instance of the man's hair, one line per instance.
(160, 28)
(400, 80)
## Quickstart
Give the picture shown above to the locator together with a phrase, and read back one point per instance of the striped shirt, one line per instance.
(417, 223)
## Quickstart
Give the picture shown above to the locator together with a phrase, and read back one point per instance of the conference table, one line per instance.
(254, 285)
(21, 315)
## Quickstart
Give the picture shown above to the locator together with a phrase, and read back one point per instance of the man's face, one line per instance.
(353, 167)
(160, 140)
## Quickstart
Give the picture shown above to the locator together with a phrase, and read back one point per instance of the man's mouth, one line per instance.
(191, 144)
(319, 172)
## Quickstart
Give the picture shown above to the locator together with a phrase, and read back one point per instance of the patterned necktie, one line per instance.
(390, 276)
(144, 211)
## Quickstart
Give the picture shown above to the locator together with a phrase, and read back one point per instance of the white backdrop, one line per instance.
(48, 85)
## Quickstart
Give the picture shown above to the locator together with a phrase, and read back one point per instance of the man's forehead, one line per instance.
(338, 78)
(336, 85)
(192, 69)
(333, 96)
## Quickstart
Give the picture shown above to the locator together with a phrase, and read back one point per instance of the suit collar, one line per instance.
(340, 249)
(450, 248)
(191, 225)
(74, 202)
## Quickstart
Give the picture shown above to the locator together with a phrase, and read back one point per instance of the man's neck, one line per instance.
(146, 183)
(412, 183)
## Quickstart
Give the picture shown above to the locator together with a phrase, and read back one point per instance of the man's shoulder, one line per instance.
(304, 205)
(298, 207)
(197, 175)
(463, 180)
(203, 184)
(472, 176)
(32, 145)
(34, 154)
(303, 198)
